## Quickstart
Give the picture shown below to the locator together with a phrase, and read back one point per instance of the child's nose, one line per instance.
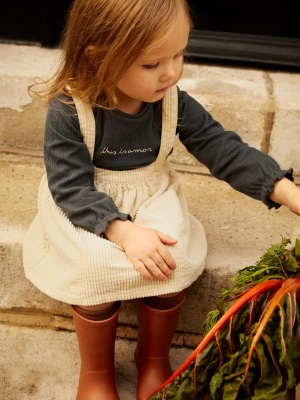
(168, 74)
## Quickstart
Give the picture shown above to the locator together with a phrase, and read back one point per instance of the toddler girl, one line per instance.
(112, 220)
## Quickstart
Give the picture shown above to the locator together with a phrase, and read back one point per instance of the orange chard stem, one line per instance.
(272, 284)
(290, 285)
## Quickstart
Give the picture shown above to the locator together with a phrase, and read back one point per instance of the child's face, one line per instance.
(149, 77)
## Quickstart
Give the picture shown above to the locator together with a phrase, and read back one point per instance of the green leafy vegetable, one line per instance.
(276, 263)
(253, 344)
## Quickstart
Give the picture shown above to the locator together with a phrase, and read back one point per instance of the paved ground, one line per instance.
(44, 365)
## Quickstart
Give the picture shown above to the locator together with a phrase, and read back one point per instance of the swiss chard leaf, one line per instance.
(291, 264)
(297, 250)
(250, 353)
(277, 263)
(252, 342)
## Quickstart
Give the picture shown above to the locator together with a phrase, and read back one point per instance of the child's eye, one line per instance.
(151, 66)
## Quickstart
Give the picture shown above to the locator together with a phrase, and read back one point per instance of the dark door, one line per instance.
(33, 21)
(248, 30)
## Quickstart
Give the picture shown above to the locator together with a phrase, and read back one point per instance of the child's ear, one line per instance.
(89, 49)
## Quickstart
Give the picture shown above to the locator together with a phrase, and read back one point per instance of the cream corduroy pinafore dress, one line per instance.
(75, 266)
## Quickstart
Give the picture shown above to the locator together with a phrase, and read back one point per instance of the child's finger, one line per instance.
(153, 268)
(159, 261)
(166, 239)
(166, 256)
(140, 267)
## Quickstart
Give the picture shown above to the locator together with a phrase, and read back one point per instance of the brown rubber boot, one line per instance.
(96, 341)
(155, 333)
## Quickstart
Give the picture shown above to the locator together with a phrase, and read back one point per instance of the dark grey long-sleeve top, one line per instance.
(70, 170)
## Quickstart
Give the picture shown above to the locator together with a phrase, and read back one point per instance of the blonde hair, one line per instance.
(119, 31)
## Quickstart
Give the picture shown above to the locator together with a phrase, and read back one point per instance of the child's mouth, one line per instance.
(163, 89)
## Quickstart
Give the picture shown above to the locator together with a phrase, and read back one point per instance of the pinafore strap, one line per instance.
(87, 124)
(169, 124)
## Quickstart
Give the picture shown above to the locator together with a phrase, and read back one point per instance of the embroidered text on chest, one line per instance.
(107, 150)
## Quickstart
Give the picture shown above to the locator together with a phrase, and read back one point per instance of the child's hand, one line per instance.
(144, 248)
(288, 194)
(293, 201)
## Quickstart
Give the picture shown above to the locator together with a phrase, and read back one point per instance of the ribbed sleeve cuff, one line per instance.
(101, 227)
(269, 186)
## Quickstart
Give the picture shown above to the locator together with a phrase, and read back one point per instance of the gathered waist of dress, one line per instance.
(130, 176)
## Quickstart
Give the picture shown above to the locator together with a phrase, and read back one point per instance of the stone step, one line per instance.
(262, 106)
(238, 230)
